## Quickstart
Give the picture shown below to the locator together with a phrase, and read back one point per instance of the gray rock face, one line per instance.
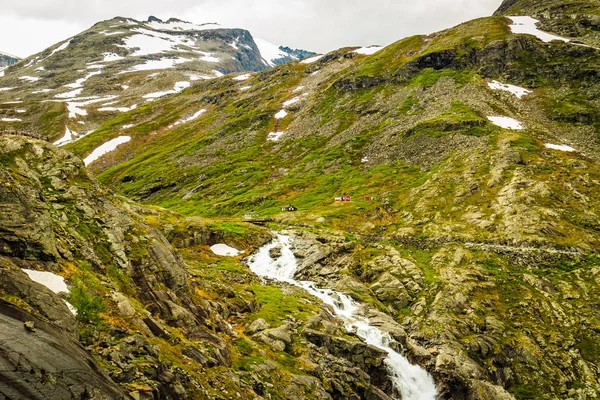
(40, 298)
(6, 60)
(45, 364)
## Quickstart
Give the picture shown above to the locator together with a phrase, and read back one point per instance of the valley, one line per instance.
(188, 212)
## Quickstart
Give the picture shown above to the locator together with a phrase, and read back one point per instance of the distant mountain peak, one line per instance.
(118, 64)
(8, 59)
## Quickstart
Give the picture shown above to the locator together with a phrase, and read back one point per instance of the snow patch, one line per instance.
(224, 250)
(516, 90)
(208, 57)
(560, 147)
(59, 48)
(67, 138)
(106, 148)
(79, 82)
(186, 120)
(30, 78)
(146, 42)
(275, 136)
(242, 77)
(110, 57)
(163, 63)
(119, 109)
(243, 89)
(506, 123)
(179, 87)
(312, 59)
(368, 50)
(292, 101)
(12, 120)
(270, 52)
(527, 25)
(281, 114)
(51, 281)
(75, 109)
(69, 95)
(5, 89)
(194, 77)
(107, 33)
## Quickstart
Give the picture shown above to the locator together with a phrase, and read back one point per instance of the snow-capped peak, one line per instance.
(270, 53)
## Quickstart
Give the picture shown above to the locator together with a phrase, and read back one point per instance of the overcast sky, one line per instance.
(29, 26)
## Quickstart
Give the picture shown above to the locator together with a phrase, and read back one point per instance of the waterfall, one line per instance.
(412, 381)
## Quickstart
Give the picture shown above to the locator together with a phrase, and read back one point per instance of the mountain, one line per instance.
(471, 157)
(118, 65)
(276, 55)
(7, 60)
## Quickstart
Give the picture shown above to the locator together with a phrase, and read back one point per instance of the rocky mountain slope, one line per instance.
(472, 159)
(7, 59)
(578, 19)
(119, 65)
(160, 323)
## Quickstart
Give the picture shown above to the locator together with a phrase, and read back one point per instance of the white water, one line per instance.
(413, 382)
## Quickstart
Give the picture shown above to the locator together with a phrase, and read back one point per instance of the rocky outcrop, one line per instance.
(576, 19)
(42, 363)
(55, 216)
(7, 60)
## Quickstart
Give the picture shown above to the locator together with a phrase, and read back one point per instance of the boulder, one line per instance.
(257, 326)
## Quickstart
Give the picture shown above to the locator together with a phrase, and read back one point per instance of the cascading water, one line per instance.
(413, 382)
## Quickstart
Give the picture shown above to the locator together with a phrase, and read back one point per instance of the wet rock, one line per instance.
(275, 253)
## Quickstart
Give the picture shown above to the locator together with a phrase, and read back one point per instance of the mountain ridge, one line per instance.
(118, 65)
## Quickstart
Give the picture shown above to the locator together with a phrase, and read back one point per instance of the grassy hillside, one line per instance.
(406, 121)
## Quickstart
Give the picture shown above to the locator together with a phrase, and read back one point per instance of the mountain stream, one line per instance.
(411, 381)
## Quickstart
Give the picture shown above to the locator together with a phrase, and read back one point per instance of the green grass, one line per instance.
(429, 77)
(590, 349)
(459, 118)
(85, 300)
(276, 307)
(527, 143)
